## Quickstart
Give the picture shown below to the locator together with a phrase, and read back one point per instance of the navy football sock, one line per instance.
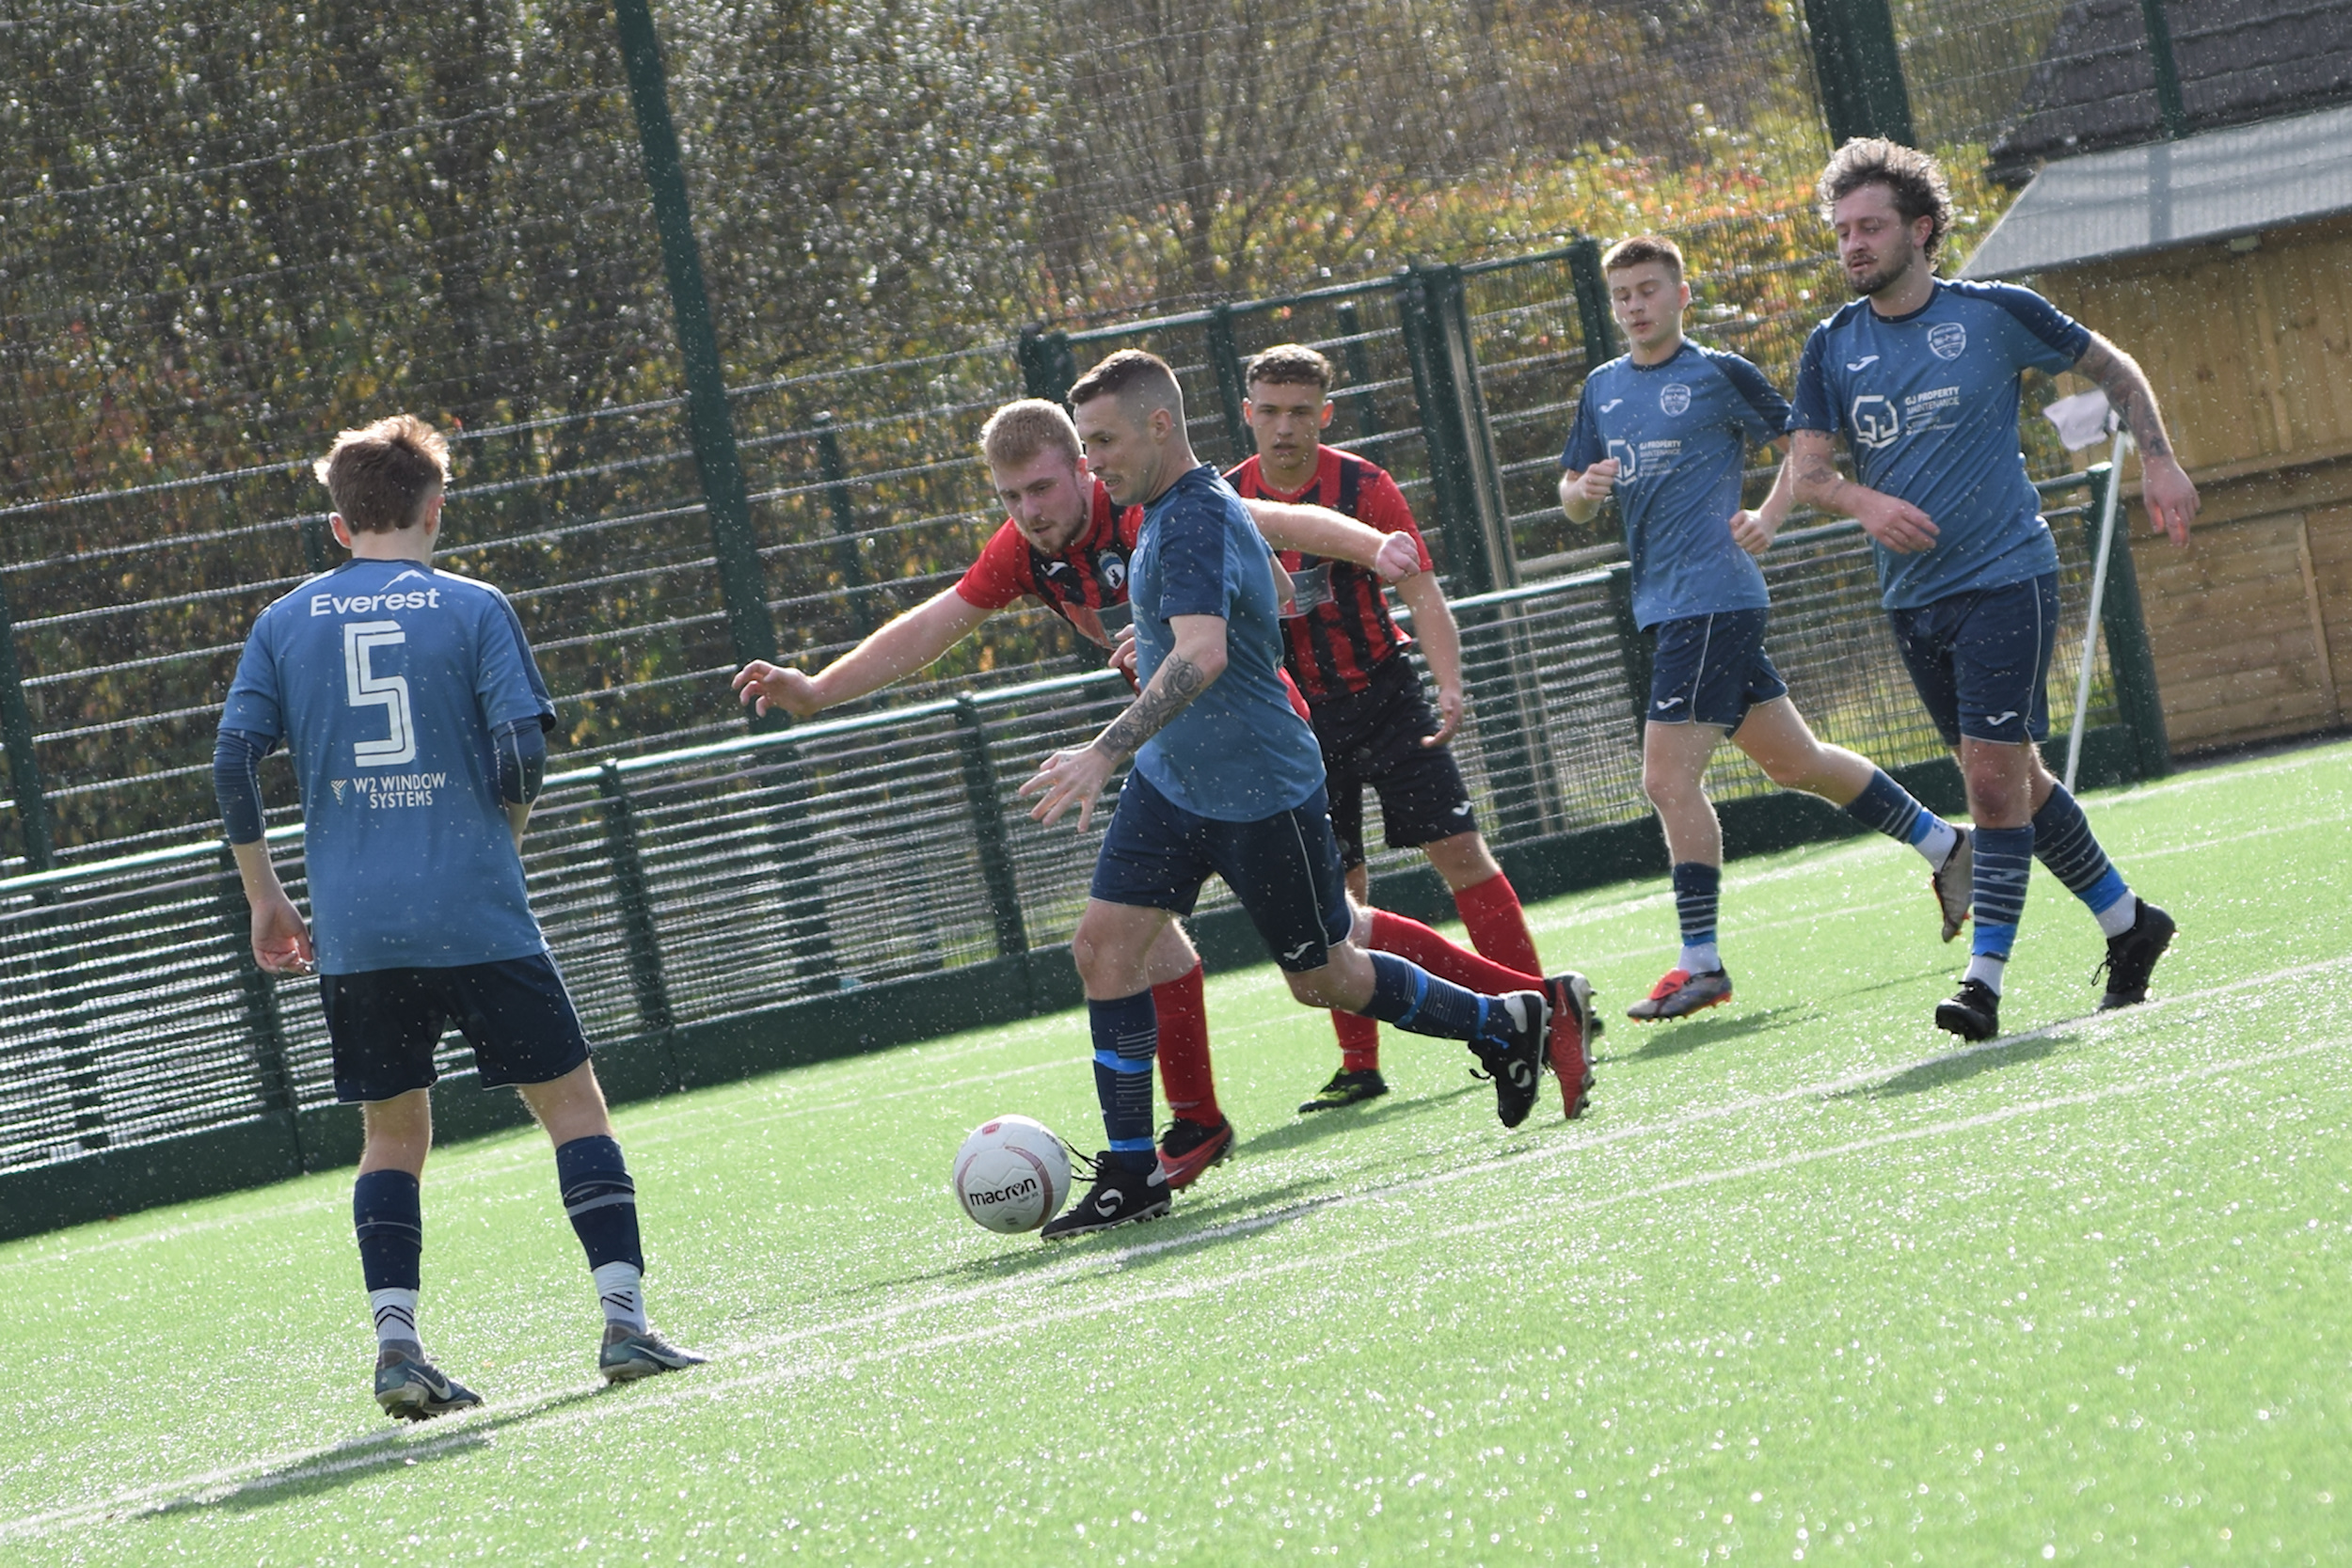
(2062, 839)
(1410, 997)
(2004, 862)
(1126, 1036)
(1887, 806)
(390, 1219)
(1698, 890)
(600, 1199)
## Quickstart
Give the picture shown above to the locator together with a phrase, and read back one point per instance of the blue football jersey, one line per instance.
(1679, 431)
(1928, 405)
(1239, 751)
(386, 679)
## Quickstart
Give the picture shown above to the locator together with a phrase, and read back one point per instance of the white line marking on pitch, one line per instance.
(262, 1475)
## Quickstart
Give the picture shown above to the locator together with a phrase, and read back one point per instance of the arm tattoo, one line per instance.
(1177, 682)
(2126, 386)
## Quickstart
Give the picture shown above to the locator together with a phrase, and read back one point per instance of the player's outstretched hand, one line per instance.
(1398, 558)
(1897, 524)
(1750, 532)
(765, 685)
(1074, 777)
(1448, 716)
(281, 941)
(2169, 496)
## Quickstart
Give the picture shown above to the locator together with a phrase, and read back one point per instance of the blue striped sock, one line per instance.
(600, 1200)
(2004, 862)
(1410, 997)
(1126, 1035)
(1698, 890)
(2063, 842)
(1891, 809)
(387, 1211)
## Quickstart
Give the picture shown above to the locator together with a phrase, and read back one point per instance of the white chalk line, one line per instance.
(289, 1469)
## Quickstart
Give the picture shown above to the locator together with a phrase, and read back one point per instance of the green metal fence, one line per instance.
(731, 907)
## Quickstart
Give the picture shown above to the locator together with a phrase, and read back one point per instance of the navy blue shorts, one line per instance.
(1374, 738)
(1981, 661)
(385, 1024)
(1711, 669)
(1284, 869)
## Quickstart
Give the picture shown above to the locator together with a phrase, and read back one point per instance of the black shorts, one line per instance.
(1374, 738)
(1284, 869)
(1711, 669)
(1980, 660)
(385, 1024)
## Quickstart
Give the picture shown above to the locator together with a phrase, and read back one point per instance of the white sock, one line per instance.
(395, 1316)
(2117, 917)
(1986, 967)
(1938, 845)
(1701, 960)
(620, 1290)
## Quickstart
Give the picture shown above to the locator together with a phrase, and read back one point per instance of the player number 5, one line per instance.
(370, 690)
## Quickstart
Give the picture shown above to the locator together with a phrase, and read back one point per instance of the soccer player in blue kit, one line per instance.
(415, 716)
(1228, 781)
(1921, 377)
(1664, 428)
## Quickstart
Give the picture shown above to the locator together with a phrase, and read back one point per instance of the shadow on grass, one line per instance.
(1960, 1065)
(364, 1457)
(1676, 1037)
(1312, 1127)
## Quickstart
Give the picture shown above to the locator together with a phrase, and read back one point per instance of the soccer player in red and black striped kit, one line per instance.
(1366, 702)
(1065, 545)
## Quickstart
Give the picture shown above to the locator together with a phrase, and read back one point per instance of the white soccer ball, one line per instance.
(1012, 1174)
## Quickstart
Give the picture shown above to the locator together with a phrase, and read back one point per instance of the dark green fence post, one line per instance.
(16, 736)
(264, 1027)
(789, 792)
(726, 503)
(2131, 662)
(846, 554)
(637, 936)
(1048, 369)
(1633, 649)
(1592, 303)
(2168, 69)
(1444, 371)
(1859, 67)
(1226, 361)
(1370, 438)
(988, 829)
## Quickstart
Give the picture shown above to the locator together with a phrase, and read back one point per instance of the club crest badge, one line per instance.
(1947, 339)
(1675, 399)
(1110, 570)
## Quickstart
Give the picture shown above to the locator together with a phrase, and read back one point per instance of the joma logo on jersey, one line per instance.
(1675, 399)
(1947, 339)
(1874, 421)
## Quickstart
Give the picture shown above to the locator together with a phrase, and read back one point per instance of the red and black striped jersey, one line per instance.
(1077, 584)
(1342, 633)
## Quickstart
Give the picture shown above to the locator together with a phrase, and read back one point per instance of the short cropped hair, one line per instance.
(380, 476)
(1141, 381)
(1913, 179)
(1016, 434)
(1638, 249)
(1289, 365)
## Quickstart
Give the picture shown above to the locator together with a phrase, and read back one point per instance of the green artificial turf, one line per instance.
(1808, 1283)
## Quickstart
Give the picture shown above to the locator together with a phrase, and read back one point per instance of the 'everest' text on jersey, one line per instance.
(385, 678)
(1239, 751)
(1679, 431)
(1928, 403)
(1342, 633)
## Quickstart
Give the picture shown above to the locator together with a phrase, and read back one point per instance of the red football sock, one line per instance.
(1359, 1041)
(1410, 939)
(1185, 1075)
(1497, 925)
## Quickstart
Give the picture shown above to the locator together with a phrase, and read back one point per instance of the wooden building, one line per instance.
(2223, 263)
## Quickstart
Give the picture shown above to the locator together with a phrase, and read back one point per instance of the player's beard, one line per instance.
(1887, 271)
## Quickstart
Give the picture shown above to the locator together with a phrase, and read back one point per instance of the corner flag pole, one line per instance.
(2098, 596)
